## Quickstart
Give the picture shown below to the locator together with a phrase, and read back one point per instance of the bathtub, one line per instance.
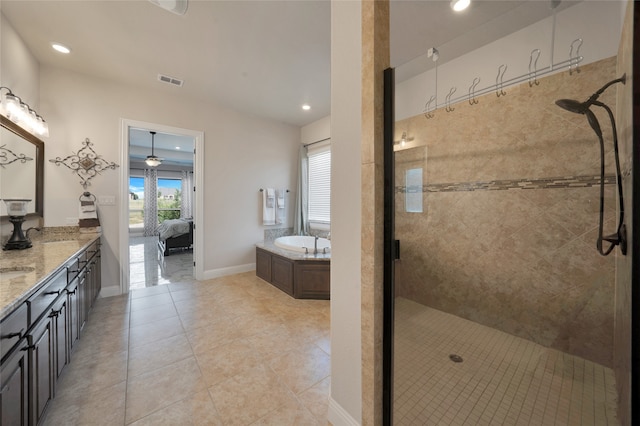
(302, 243)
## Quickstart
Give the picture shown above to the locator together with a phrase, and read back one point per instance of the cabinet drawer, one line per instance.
(12, 328)
(40, 301)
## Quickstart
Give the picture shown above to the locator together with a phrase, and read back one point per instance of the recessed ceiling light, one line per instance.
(460, 5)
(306, 107)
(60, 48)
(177, 147)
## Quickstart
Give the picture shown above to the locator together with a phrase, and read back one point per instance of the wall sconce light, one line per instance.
(12, 107)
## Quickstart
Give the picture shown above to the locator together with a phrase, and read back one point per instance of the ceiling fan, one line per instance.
(152, 160)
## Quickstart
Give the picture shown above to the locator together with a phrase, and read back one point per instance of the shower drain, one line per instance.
(455, 358)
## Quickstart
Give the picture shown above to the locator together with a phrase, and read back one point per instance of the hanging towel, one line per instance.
(268, 213)
(280, 211)
(271, 194)
(88, 215)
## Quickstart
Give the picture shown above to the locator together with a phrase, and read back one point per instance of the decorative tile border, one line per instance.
(505, 184)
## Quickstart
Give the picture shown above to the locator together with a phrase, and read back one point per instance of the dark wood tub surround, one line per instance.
(300, 276)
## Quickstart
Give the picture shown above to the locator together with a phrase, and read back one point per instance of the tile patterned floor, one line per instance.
(228, 351)
(147, 267)
(503, 379)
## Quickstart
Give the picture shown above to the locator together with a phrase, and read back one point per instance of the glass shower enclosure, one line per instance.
(498, 306)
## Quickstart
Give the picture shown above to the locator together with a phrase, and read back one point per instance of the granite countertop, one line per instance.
(293, 255)
(48, 254)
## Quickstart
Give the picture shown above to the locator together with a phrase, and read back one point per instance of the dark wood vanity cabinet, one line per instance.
(299, 278)
(38, 337)
(14, 391)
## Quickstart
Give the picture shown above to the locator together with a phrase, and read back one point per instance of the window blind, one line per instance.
(320, 185)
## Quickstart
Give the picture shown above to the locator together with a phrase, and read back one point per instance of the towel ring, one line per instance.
(87, 194)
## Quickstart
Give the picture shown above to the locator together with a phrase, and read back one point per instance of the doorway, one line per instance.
(160, 208)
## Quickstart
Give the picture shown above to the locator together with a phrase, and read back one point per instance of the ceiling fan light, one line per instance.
(153, 161)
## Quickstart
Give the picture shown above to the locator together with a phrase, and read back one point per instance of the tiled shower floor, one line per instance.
(503, 379)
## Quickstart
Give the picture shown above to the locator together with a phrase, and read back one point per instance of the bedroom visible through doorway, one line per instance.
(160, 205)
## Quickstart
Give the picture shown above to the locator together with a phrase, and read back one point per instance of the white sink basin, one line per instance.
(15, 271)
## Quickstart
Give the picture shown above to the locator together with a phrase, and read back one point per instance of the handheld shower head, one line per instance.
(572, 106)
(584, 108)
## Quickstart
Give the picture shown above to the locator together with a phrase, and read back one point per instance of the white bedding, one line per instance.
(173, 227)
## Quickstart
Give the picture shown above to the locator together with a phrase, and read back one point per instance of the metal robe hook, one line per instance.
(448, 108)
(501, 70)
(533, 67)
(472, 91)
(577, 58)
(427, 107)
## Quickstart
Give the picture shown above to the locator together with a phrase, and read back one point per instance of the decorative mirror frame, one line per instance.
(28, 137)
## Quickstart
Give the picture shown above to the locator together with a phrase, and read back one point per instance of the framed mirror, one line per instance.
(21, 167)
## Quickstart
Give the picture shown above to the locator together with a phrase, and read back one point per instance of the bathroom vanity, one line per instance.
(302, 276)
(45, 298)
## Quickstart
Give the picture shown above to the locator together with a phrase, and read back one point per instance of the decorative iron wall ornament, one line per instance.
(7, 157)
(86, 163)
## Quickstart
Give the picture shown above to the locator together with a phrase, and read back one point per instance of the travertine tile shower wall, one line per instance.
(510, 214)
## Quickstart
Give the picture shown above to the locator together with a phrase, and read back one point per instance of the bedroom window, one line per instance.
(169, 199)
(136, 202)
(320, 185)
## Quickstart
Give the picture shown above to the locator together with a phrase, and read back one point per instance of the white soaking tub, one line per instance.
(303, 244)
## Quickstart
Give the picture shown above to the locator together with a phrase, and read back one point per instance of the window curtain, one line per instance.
(300, 219)
(186, 203)
(150, 202)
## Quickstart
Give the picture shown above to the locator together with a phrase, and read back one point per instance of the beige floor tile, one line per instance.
(148, 291)
(96, 344)
(255, 324)
(202, 317)
(324, 343)
(213, 335)
(161, 353)
(151, 301)
(91, 375)
(105, 320)
(300, 369)
(152, 332)
(103, 407)
(226, 361)
(316, 399)
(195, 409)
(275, 342)
(291, 414)
(249, 396)
(157, 389)
(155, 313)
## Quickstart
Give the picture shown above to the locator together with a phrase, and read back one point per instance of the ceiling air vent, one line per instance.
(170, 80)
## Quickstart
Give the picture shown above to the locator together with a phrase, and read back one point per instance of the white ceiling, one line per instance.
(173, 149)
(262, 57)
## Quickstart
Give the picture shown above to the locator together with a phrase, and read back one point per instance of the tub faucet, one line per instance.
(315, 245)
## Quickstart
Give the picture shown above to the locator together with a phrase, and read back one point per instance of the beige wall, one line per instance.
(241, 155)
(520, 260)
(624, 114)
(345, 405)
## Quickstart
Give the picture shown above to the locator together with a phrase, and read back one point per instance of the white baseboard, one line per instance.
(338, 416)
(110, 291)
(221, 272)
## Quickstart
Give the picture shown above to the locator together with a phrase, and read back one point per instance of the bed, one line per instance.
(174, 234)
